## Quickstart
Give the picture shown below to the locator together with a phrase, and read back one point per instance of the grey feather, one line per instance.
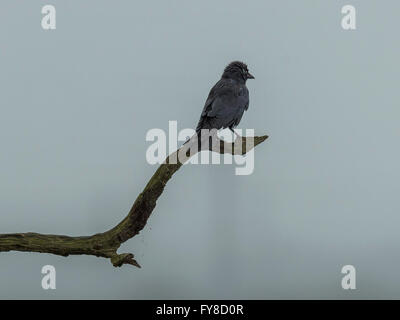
(227, 100)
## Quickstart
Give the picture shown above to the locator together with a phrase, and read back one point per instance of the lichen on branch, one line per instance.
(106, 244)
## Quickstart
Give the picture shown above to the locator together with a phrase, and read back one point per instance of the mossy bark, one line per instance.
(106, 244)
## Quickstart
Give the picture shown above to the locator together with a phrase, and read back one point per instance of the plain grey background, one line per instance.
(76, 103)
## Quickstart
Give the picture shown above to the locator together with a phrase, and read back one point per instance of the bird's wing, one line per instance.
(227, 106)
(214, 92)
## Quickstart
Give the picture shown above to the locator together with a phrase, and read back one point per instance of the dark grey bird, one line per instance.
(227, 100)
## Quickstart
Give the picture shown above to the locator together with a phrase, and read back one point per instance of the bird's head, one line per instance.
(238, 71)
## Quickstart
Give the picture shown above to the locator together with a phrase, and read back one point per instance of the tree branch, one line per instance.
(106, 244)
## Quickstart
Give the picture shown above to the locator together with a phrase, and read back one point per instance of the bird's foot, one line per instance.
(237, 135)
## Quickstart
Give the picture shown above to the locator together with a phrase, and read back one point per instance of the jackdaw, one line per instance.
(227, 100)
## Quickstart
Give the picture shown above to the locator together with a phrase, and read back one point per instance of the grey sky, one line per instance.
(76, 104)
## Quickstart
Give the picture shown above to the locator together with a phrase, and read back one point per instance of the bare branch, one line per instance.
(106, 244)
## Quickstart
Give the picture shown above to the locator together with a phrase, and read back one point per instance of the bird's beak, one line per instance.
(249, 76)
